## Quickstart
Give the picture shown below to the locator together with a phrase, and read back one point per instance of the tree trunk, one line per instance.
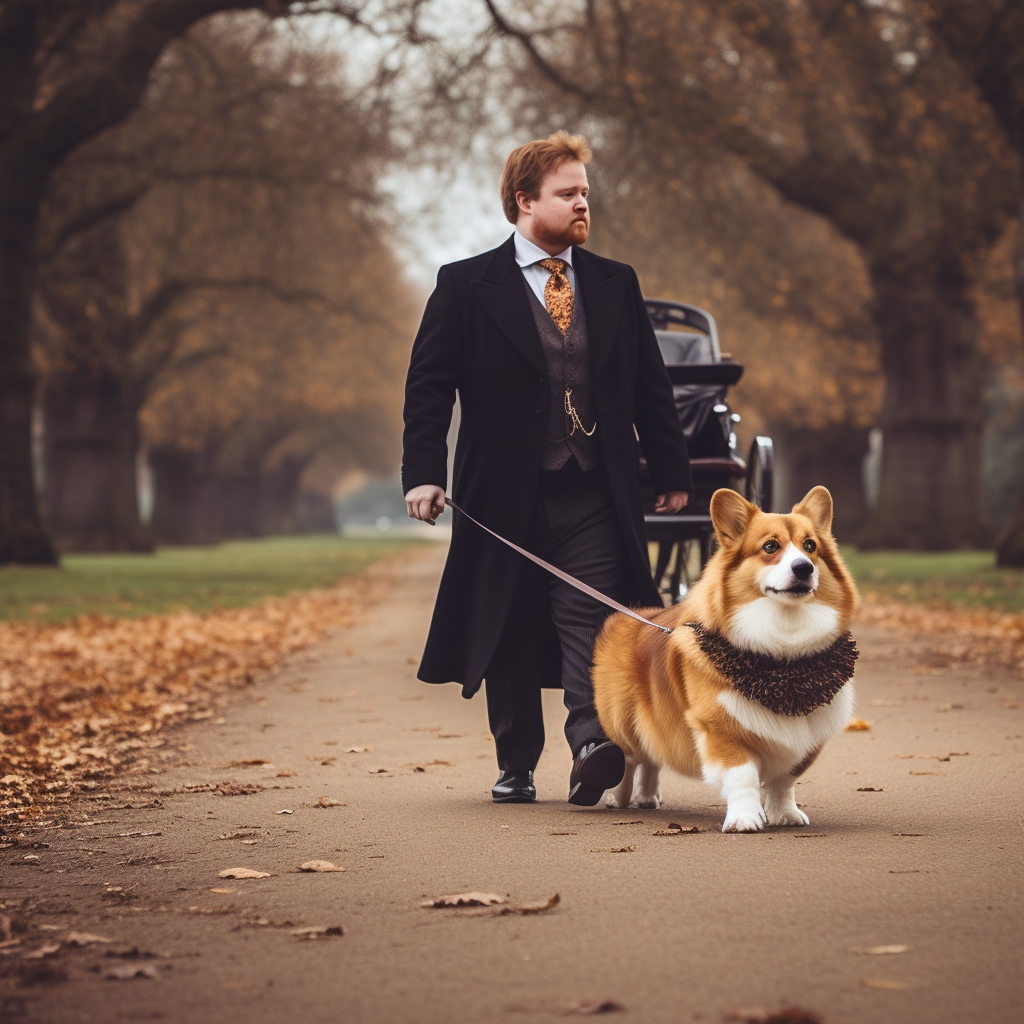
(1010, 544)
(931, 495)
(23, 537)
(237, 499)
(36, 137)
(183, 498)
(279, 498)
(833, 457)
(91, 443)
(316, 513)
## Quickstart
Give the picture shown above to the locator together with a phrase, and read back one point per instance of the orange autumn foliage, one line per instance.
(84, 700)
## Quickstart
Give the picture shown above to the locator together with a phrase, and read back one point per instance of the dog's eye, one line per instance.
(809, 545)
(770, 547)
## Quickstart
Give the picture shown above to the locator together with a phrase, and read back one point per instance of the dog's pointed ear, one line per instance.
(730, 514)
(817, 506)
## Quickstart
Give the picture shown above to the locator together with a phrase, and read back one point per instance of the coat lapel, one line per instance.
(602, 299)
(502, 292)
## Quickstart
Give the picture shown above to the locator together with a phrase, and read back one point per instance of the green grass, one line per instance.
(240, 573)
(945, 579)
(227, 575)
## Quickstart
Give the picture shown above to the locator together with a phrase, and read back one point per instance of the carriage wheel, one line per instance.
(684, 572)
(760, 472)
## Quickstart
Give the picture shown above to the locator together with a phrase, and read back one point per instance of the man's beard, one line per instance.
(573, 234)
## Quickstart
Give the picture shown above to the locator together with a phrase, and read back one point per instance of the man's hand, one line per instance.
(425, 502)
(672, 502)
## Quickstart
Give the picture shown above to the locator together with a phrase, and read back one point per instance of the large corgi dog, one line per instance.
(756, 675)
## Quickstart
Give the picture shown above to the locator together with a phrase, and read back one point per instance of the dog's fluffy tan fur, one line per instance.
(661, 701)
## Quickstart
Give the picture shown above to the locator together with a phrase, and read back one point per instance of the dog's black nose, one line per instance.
(802, 569)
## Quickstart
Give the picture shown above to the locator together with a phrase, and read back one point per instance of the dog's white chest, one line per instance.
(797, 734)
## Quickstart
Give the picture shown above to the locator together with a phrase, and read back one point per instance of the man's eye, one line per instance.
(809, 545)
(770, 547)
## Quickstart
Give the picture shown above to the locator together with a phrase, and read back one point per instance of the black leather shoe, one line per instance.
(514, 788)
(599, 765)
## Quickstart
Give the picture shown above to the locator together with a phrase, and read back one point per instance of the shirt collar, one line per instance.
(527, 253)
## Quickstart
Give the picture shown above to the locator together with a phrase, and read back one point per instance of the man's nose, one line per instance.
(802, 569)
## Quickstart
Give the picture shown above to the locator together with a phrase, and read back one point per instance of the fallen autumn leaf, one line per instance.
(43, 951)
(125, 972)
(466, 899)
(317, 932)
(326, 801)
(759, 1015)
(84, 939)
(592, 1007)
(320, 865)
(505, 909)
(243, 873)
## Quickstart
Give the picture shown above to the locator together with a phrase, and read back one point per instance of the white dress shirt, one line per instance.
(528, 256)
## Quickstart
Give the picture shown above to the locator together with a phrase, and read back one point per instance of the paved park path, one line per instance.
(915, 841)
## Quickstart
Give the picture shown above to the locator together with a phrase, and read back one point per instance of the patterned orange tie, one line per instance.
(558, 294)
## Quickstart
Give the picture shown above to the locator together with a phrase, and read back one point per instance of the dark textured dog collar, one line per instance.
(787, 686)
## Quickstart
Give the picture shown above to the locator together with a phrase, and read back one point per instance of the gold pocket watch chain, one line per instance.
(574, 416)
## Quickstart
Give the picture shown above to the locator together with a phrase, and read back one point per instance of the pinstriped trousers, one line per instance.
(574, 527)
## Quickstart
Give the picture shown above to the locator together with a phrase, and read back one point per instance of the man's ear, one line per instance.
(817, 506)
(730, 514)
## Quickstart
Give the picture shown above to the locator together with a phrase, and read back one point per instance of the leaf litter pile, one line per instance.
(961, 634)
(80, 700)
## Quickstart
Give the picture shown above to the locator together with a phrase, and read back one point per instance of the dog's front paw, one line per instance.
(745, 820)
(613, 799)
(788, 816)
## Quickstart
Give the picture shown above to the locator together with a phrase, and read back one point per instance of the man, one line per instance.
(554, 360)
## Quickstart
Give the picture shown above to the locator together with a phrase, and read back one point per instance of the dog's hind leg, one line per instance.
(621, 795)
(648, 786)
(780, 796)
(780, 802)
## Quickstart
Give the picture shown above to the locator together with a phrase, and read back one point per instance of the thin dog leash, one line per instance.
(564, 576)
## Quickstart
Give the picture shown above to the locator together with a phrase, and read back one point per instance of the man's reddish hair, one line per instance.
(528, 166)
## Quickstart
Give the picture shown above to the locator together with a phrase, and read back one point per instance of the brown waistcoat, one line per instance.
(568, 368)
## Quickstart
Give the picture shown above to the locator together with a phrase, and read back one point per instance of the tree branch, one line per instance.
(50, 243)
(526, 40)
(95, 99)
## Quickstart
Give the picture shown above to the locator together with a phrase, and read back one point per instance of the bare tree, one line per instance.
(986, 37)
(292, 402)
(858, 114)
(69, 69)
(241, 137)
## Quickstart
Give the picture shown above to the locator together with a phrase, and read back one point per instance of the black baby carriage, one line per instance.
(701, 379)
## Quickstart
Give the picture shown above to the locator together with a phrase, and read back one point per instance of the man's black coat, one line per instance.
(478, 337)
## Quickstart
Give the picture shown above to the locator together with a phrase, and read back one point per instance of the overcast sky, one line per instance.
(439, 219)
(440, 222)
